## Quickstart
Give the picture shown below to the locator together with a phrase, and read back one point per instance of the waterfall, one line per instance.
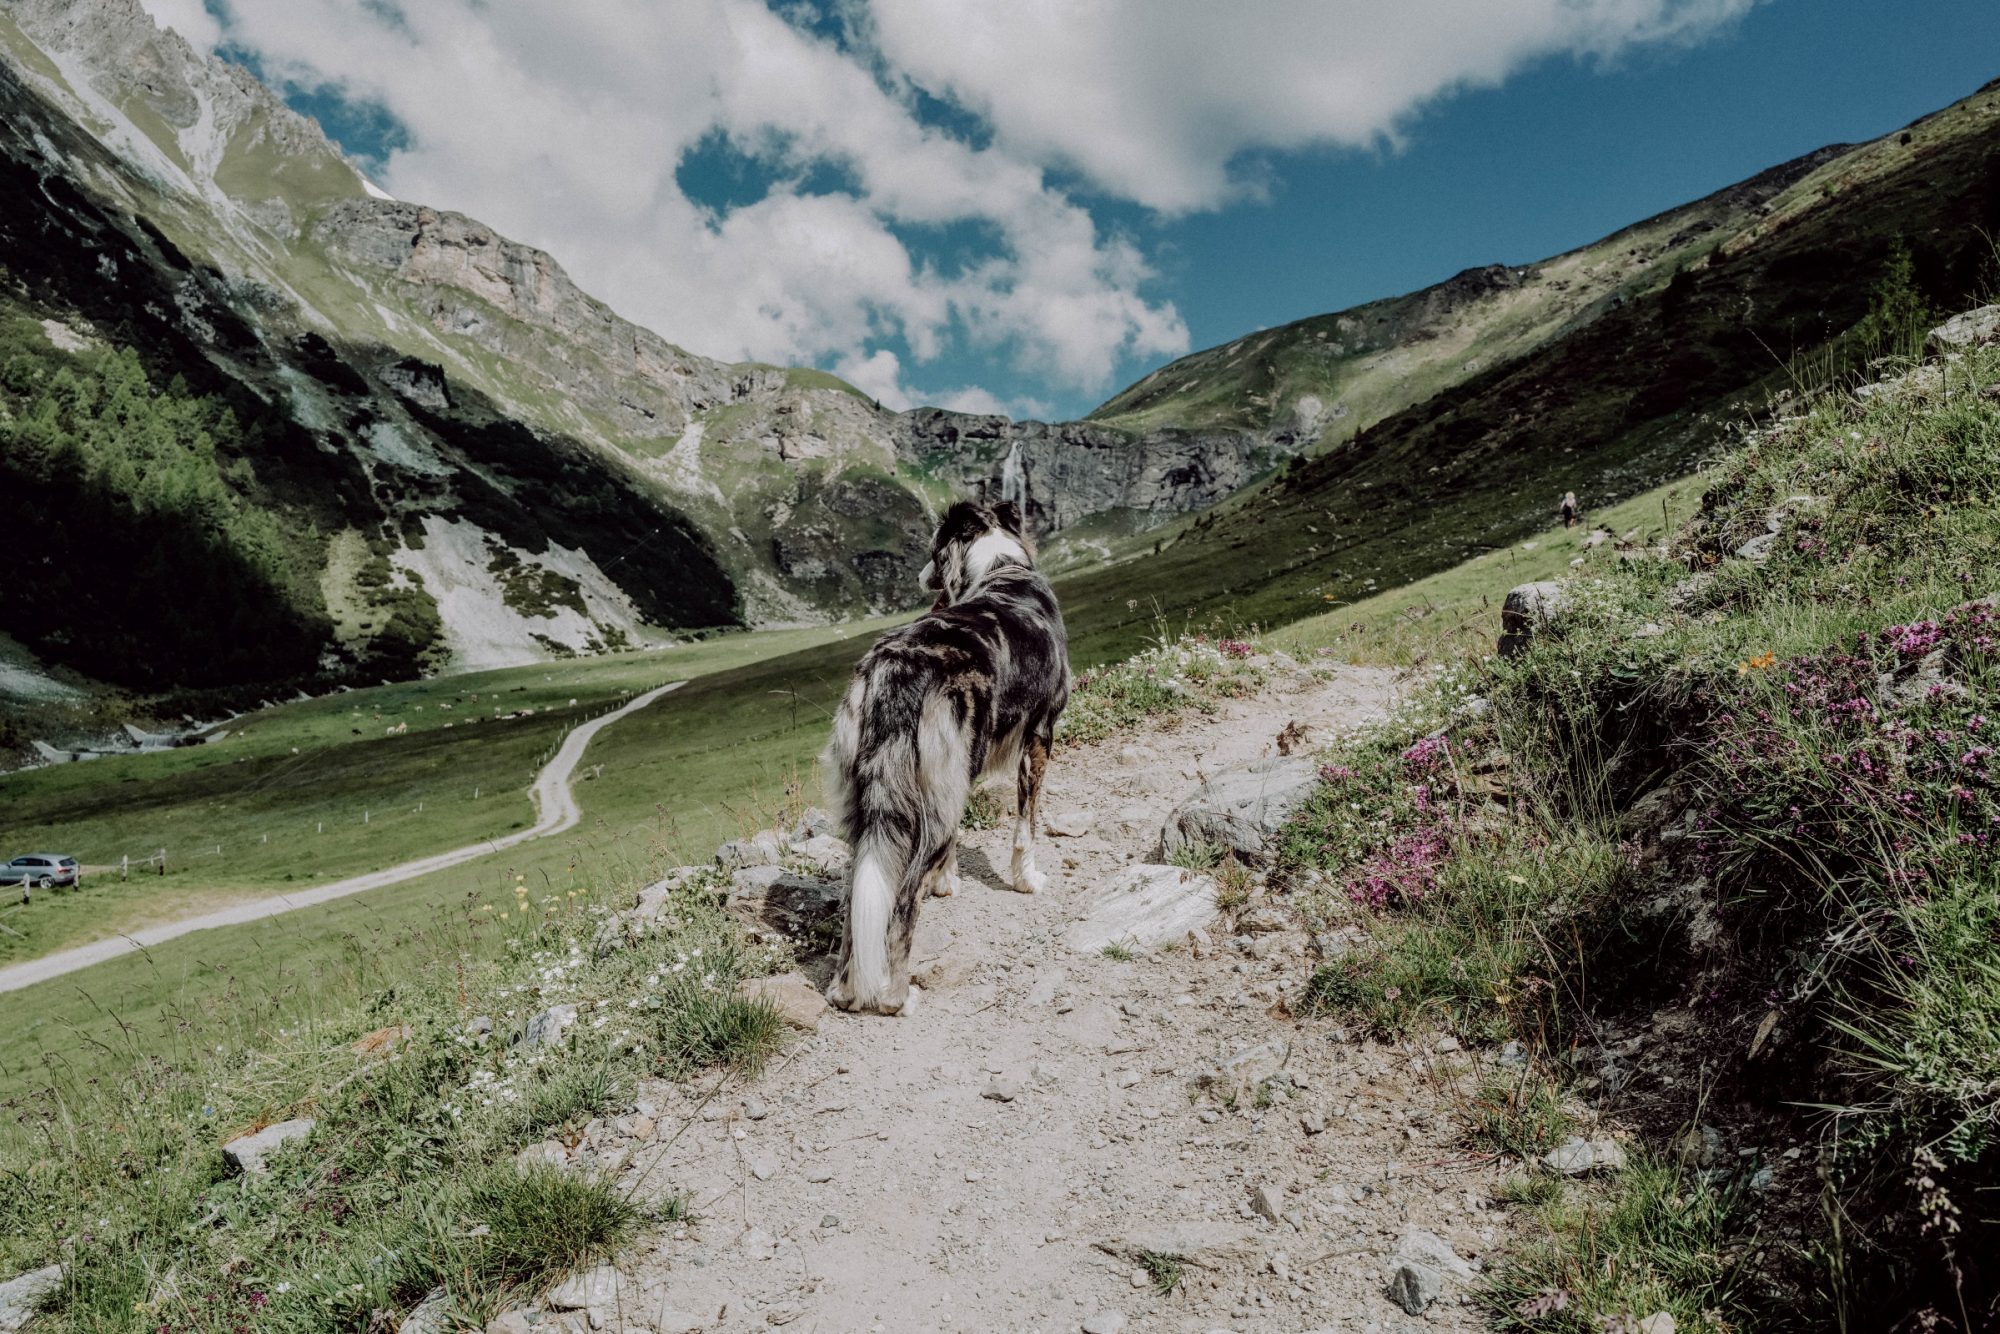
(1014, 477)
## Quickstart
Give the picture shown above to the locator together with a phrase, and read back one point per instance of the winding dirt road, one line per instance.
(556, 813)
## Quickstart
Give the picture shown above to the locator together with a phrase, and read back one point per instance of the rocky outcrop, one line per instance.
(1069, 471)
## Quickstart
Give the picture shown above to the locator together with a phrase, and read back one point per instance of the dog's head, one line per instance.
(971, 540)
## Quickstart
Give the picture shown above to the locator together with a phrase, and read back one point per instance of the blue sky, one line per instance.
(1028, 206)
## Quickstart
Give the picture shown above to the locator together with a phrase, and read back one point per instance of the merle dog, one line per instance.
(972, 688)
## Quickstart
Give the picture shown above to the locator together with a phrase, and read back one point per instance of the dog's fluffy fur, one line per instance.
(972, 688)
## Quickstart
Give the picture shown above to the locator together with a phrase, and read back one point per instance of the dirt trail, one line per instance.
(556, 812)
(876, 1180)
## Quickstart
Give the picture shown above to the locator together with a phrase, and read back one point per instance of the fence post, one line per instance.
(364, 817)
(163, 861)
(125, 867)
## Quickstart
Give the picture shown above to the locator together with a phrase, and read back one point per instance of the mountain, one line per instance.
(1450, 421)
(382, 438)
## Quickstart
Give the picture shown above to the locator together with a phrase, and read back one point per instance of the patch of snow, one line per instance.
(375, 191)
(21, 677)
(480, 629)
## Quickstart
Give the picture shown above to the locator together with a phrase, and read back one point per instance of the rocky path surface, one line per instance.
(556, 812)
(1006, 1156)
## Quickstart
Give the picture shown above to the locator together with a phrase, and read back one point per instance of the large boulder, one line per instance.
(766, 847)
(796, 1000)
(1529, 609)
(1143, 907)
(1243, 809)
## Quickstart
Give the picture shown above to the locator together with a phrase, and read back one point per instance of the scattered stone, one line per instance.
(1428, 1248)
(1701, 1146)
(510, 1322)
(247, 1153)
(22, 1296)
(549, 1153)
(1002, 1088)
(1105, 1322)
(1243, 809)
(1312, 1123)
(1598, 537)
(763, 1166)
(1967, 330)
(1447, 1043)
(1576, 1156)
(1143, 907)
(1268, 1202)
(795, 999)
(1067, 824)
(1262, 919)
(760, 1245)
(653, 901)
(547, 1027)
(1513, 1055)
(1528, 610)
(1758, 548)
(831, 1222)
(480, 1026)
(1125, 1078)
(754, 1109)
(819, 1176)
(594, 1287)
(1660, 1322)
(763, 848)
(1414, 1286)
(1135, 757)
(642, 1127)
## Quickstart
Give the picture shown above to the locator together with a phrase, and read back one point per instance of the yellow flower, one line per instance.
(1758, 663)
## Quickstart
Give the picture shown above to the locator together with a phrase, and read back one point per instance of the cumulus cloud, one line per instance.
(565, 125)
(1162, 101)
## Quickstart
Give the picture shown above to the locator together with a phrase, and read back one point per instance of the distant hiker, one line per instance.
(1568, 508)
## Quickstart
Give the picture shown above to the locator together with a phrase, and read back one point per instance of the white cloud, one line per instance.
(1159, 101)
(563, 126)
(188, 18)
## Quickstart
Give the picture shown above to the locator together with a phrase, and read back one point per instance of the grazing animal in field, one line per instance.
(972, 688)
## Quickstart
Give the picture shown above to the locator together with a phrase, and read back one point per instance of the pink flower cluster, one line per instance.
(1404, 872)
(1234, 648)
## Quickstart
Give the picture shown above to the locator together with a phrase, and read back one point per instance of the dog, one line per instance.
(972, 688)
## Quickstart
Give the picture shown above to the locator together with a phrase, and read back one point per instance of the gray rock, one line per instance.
(654, 900)
(511, 1322)
(1144, 906)
(1967, 330)
(22, 1297)
(1428, 1248)
(1528, 610)
(814, 823)
(1576, 1156)
(1312, 1123)
(1414, 1286)
(763, 1166)
(763, 848)
(1268, 1202)
(796, 1000)
(826, 853)
(547, 1027)
(247, 1153)
(1105, 1322)
(479, 1026)
(431, 1316)
(755, 1109)
(759, 1245)
(1002, 1088)
(1067, 824)
(1660, 1322)
(594, 1287)
(1758, 548)
(548, 1153)
(1203, 1243)
(1243, 809)
(783, 903)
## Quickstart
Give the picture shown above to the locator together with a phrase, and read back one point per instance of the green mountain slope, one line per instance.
(1630, 394)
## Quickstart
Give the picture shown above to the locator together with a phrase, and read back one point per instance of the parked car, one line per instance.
(40, 870)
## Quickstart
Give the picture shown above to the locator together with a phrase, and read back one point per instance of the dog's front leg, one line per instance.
(1028, 799)
(948, 883)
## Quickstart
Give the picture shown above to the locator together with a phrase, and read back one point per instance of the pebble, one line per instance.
(1125, 1078)
(1001, 1088)
(974, 1177)
(1105, 1322)
(829, 1221)
(1312, 1123)
(754, 1109)
(763, 1167)
(1268, 1202)
(760, 1245)
(819, 1176)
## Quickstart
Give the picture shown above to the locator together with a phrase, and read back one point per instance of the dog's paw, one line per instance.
(945, 887)
(1031, 881)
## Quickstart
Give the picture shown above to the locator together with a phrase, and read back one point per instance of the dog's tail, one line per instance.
(898, 770)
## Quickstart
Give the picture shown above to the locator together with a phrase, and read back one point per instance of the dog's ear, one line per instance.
(1009, 516)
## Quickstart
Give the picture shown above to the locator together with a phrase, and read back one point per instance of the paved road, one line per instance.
(556, 812)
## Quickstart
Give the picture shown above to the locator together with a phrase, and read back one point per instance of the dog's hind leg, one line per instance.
(1034, 765)
(903, 927)
(947, 883)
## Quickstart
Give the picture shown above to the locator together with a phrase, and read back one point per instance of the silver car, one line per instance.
(40, 870)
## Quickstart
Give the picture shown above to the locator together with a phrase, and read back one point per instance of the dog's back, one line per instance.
(972, 688)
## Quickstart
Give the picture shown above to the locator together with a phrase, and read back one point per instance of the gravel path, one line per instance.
(998, 1158)
(556, 812)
